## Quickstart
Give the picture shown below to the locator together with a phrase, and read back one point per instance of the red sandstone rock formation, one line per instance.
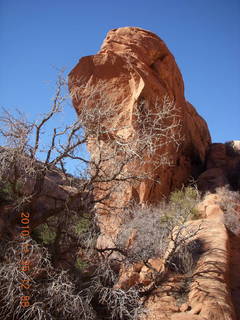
(135, 65)
(222, 167)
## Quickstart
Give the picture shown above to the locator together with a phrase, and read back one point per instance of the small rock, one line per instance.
(184, 307)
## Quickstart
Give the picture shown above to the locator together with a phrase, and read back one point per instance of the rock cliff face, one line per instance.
(137, 66)
(222, 167)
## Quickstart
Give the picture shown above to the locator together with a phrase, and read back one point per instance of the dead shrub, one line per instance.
(184, 259)
(52, 293)
(230, 204)
(116, 304)
(153, 226)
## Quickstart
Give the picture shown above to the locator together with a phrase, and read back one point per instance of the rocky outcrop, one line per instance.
(136, 66)
(222, 167)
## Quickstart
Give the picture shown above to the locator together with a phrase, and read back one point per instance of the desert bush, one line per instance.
(152, 226)
(121, 304)
(230, 204)
(52, 293)
(184, 259)
(6, 195)
(186, 199)
(80, 264)
(118, 304)
(70, 239)
(55, 294)
(44, 234)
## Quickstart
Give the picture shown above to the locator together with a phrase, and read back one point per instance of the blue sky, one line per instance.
(36, 37)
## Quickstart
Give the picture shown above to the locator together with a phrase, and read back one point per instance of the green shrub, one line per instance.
(81, 264)
(186, 199)
(45, 233)
(7, 192)
(82, 225)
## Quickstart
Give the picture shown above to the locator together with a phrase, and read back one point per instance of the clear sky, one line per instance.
(204, 35)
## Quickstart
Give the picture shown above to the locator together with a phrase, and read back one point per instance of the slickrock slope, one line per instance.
(136, 66)
(210, 294)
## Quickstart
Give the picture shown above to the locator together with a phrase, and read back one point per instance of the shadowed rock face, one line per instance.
(222, 167)
(136, 66)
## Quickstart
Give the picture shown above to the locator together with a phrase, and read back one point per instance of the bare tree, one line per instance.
(34, 178)
(30, 167)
